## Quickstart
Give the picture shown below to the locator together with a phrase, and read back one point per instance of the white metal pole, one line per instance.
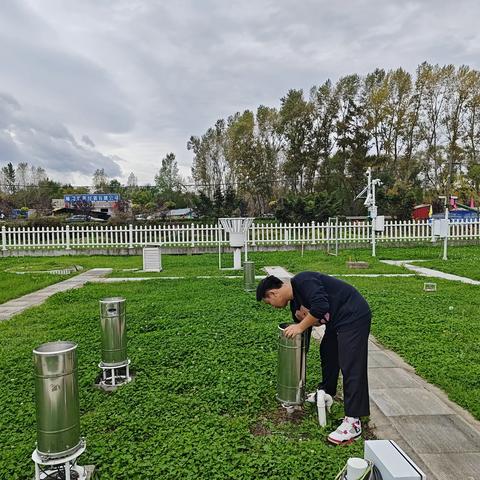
(219, 247)
(445, 240)
(336, 236)
(374, 213)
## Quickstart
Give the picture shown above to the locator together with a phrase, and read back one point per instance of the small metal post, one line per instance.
(67, 470)
(373, 220)
(219, 230)
(336, 236)
(4, 238)
(445, 240)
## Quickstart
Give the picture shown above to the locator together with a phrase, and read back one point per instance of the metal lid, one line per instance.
(54, 348)
(112, 300)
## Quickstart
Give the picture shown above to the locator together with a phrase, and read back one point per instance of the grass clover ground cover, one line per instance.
(13, 285)
(438, 333)
(293, 261)
(462, 260)
(465, 263)
(202, 405)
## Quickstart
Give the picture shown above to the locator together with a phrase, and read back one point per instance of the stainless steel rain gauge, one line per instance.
(115, 364)
(59, 443)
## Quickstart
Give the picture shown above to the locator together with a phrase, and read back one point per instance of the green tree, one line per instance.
(100, 181)
(168, 180)
(296, 119)
(9, 178)
(115, 186)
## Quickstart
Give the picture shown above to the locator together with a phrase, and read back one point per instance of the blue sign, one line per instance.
(92, 197)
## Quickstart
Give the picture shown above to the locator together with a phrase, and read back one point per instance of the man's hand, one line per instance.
(293, 330)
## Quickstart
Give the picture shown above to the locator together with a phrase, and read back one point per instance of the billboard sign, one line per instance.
(92, 197)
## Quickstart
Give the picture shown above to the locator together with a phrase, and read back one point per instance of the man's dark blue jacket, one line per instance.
(322, 294)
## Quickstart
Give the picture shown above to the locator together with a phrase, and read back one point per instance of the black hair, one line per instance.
(268, 283)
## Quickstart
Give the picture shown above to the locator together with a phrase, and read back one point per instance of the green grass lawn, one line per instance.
(14, 286)
(202, 405)
(465, 262)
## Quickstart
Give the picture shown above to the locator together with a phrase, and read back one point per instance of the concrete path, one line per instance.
(278, 272)
(429, 272)
(18, 305)
(441, 437)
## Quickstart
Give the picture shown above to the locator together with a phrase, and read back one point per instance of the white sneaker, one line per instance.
(347, 432)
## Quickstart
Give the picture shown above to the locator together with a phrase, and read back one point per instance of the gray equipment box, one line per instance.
(392, 461)
(379, 223)
(440, 227)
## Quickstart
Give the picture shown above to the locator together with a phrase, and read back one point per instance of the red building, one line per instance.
(421, 212)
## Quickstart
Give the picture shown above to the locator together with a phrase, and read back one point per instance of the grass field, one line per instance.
(204, 351)
(202, 405)
(14, 286)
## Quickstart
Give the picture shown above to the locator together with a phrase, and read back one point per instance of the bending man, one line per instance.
(317, 299)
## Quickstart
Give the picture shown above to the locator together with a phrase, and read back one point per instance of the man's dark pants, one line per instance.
(346, 350)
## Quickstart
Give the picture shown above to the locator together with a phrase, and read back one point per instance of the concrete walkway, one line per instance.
(429, 272)
(441, 437)
(18, 305)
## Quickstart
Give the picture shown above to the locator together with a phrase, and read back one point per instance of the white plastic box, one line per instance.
(392, 461)
(440, 227)
(152, 258)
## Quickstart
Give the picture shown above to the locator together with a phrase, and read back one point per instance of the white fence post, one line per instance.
(4, 238)
(130, 236)
(67, 237)
(313, 233)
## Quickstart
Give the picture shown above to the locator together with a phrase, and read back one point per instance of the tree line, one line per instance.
(307, 159)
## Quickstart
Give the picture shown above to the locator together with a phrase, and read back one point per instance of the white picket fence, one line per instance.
(193, 235)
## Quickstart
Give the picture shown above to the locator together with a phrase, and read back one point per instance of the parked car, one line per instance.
(78, 218)
(84, 218)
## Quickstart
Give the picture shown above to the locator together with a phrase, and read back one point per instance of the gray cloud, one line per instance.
(88, 141)
(33, 136)
(141, 76)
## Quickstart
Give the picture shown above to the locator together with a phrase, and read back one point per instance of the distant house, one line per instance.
(179, 213)
(421, 212)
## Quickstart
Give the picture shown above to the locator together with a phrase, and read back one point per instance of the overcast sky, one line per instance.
(117, 84)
